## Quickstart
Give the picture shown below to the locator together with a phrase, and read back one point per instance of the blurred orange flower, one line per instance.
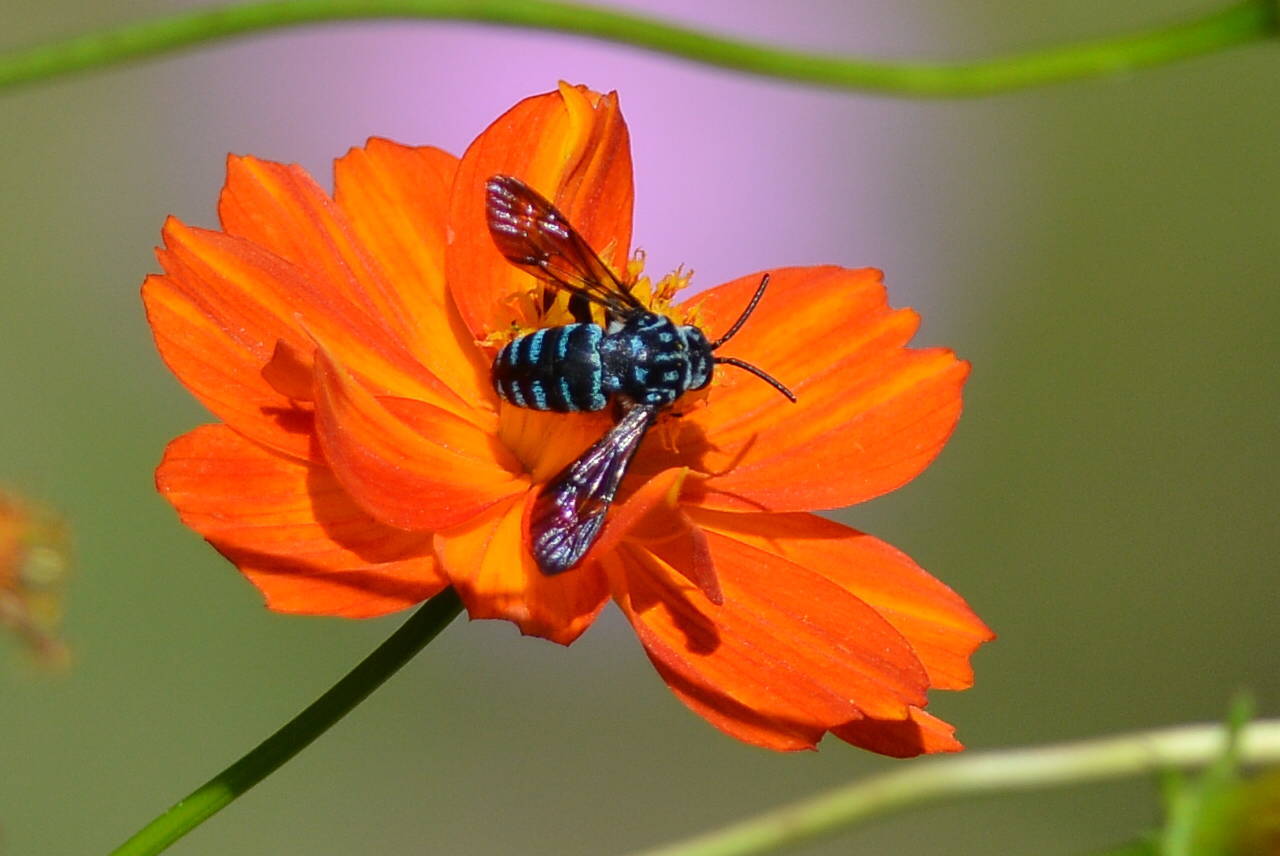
(35, 565)
(363, 461)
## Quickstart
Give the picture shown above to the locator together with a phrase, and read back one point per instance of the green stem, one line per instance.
(977, 773)
(1249, 21)
(432, 617)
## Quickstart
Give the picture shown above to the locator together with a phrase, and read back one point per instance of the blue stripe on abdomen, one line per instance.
(555, 368)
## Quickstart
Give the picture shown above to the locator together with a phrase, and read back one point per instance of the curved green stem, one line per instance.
(972, 774)
(1242, 22)
(432, 617)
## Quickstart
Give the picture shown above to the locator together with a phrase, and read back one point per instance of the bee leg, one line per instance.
(580, 308)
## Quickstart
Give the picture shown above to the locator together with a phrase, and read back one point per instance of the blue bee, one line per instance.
(640, 360)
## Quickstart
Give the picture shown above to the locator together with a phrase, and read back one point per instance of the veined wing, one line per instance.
(532, 234)
(570, 510)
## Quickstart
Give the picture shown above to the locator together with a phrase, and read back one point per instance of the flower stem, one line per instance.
(432, 617)
(977, 773)
(1252, 20)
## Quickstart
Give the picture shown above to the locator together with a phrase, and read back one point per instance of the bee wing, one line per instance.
(532, 234)
(570, 510)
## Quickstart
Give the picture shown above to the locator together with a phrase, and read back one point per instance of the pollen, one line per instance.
(660, 297)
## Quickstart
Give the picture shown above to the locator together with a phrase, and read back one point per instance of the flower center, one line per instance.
(545, 442)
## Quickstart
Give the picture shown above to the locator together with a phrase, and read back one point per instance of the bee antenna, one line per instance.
(742, 319)
(760, 373)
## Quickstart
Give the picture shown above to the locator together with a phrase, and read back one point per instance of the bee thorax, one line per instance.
(648, 359)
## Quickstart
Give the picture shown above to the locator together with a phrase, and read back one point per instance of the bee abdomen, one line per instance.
(556, 368)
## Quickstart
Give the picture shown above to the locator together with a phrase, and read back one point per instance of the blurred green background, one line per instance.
(1104, 252)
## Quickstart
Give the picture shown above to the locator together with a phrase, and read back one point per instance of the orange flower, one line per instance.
(363, 461)
(35, 561)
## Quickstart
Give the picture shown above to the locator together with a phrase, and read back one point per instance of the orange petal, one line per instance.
(292, 529)
(397, 200)
(652, 515)
(766, 730)
(289, 370)
(489, 563)
(942, 629)
(919, 734)
(430, 475)
(222, 311)
(222, 372)
(571, 146)
(871, 413)
(280, 208)
(798, 652)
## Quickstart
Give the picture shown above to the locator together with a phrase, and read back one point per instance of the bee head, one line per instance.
(701, 361)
